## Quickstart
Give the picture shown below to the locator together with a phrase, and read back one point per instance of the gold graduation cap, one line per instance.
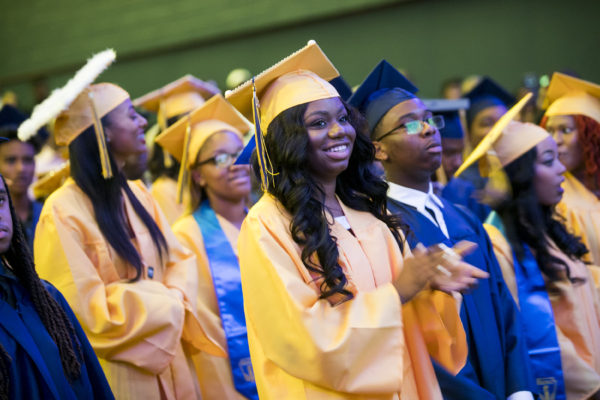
(42, 188)
(508, 139)
(176, 98)
(299, 78)
(567, 95)
(184, 139)
(79, 105)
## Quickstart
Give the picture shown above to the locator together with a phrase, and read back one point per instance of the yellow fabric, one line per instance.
(567, 95)
(370, 347)
(164, 192)
(141, 331)
(214, 373)
(80, 114)
(300, 78)
(576, 310)
(581, 209)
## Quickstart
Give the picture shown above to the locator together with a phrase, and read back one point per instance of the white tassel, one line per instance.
(60, 99)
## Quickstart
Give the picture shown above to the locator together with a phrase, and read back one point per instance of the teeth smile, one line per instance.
(339, 148)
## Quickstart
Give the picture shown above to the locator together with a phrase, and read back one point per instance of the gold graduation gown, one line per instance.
(581, 209)
(370, 347)
(164, 191)
(576, 309)
(214, 373)
(141, 331)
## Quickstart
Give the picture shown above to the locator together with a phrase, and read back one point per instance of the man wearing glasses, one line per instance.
(408, 144)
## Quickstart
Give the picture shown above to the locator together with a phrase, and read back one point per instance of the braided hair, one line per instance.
(54, 318)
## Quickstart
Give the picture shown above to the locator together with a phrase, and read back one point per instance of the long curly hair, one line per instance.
(287, 143)
(588, 130)
(528, 221)
(54, 318)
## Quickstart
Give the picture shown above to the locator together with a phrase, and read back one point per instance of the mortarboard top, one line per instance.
(381, 90)
(449, 109)
(342, 87)
(184, 139)
(507, 139)
(567, 95)
(298, 79)
(43, 187)
(487, 93)
(10, 119)
(176, 98)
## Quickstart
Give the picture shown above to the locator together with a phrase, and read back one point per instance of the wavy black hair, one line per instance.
(156, 163)
(55, 320)
(106, 196)
(528, 221)
(287, 144)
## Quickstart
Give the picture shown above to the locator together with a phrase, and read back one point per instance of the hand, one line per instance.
(453, 274)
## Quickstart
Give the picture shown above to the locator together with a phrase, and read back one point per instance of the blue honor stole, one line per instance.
(225, 271)
(539, 328)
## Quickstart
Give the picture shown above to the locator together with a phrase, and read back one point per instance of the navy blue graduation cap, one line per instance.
(485, 94)
(381, 90)
(449, 109)
(342, 87)
(10, 119)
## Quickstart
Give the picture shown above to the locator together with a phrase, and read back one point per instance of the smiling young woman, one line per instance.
(335, 307)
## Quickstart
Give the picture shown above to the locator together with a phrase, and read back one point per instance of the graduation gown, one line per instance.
(139, 330)
(498, 364)
(214, 373)
(462, 191)
(369, 347)
(164, 191)
(576, 309)
(36, 370)
(581, 210)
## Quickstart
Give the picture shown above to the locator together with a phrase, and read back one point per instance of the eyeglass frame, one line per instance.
(230, 156)
(429, 121)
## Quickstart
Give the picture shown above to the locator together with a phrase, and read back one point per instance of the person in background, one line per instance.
(17, 165)
(542, 264)
(451, 89)
(489, 101)
(170, 103)
(335, 306)
(573, 119)
(408, 144)
(106, 246)
(44, 353)
(210, 227)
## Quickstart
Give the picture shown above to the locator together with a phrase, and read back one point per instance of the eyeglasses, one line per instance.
(223, 160)
(415, 127)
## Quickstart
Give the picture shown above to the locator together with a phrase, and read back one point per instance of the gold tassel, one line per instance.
(184, 175)
(264, 162)
(101, 138)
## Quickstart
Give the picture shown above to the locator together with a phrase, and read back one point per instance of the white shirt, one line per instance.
(420, 200)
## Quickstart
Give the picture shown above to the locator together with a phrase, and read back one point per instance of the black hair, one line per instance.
(37, 141)
(528, 221)
(156, 164)
(106, 196)
(294, 186)
(55, 320)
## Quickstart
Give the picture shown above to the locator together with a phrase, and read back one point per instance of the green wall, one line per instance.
(433, 40)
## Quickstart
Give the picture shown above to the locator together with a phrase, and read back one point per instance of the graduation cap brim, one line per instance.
(383, 76)
(188, 83)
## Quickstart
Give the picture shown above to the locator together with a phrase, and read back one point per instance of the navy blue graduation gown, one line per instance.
(461, 191)
(498, 363)
(36, 370)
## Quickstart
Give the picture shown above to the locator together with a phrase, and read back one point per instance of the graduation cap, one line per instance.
(507, 140)
(381, 90)
(300, 78)
(184, 139)
(567, 95)
(79, 105)
(450, 110)
(342, 87)
(485, 94)
(43, 187)
(10, 119)
(176, 98)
